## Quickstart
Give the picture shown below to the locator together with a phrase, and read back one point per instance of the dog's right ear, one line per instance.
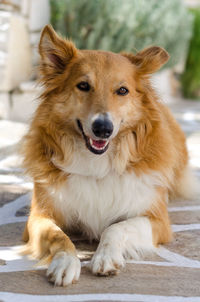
(55, 52)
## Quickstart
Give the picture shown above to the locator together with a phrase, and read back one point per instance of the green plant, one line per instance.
(124, 25)
(191, 77)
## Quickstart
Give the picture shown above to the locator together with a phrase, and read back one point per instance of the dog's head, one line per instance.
(96, 94)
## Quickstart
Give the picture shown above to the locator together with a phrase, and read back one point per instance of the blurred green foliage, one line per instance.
(191, 76)
(124, 25)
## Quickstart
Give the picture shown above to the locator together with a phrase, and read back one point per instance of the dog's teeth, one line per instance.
(97, 148)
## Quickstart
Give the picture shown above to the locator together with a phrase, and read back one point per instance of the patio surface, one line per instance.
(172, 275)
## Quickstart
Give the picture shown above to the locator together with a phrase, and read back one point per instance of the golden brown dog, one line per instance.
(105, 155)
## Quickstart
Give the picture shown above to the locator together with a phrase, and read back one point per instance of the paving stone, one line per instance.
(186, 244)
(183, 203)
(140, 278)
(11, 234)
(135, 279)
(23, 211)
(185, 217)
(9, 193)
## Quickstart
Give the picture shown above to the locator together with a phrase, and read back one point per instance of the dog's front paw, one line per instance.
(106, 262)
(64, 269)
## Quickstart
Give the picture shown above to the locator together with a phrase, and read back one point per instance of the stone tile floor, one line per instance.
(172, 275)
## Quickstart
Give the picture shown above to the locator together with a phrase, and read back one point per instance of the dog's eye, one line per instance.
(83, 86)
(122, 91)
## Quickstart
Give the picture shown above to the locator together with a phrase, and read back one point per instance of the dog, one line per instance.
(105, 155)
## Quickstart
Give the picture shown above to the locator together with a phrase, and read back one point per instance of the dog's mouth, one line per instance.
(95, 146)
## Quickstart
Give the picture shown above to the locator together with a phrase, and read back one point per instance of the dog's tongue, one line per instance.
(98, 144)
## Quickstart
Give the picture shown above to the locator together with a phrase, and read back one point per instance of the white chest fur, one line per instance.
(97, 203)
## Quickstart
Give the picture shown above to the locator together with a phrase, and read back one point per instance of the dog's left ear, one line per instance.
(55, 52)
(148, 60)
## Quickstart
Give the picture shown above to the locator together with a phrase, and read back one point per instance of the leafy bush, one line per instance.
(191, 76)
(124, 25)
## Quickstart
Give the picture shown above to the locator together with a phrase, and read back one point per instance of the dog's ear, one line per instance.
(55, 52)
(148, 60)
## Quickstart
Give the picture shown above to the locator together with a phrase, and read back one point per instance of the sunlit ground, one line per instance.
(187, 114)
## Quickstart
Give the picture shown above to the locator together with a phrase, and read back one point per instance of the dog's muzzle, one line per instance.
(102, 129)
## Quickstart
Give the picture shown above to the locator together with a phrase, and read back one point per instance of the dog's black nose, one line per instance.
(102, 127)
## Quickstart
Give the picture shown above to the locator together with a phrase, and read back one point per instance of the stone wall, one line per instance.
(21, 22)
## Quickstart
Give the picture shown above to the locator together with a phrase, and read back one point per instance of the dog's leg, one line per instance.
(122, 239)
(129, 238)
(47, 241)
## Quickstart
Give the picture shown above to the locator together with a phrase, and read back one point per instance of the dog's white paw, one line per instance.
(64, 269)
(107, 261)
